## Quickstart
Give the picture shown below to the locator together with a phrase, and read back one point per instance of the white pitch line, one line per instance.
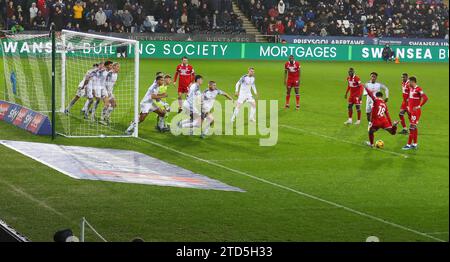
(297, 192)
(437, 233)
(342, 141)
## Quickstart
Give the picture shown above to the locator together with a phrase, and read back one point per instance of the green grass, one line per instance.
(318, 156)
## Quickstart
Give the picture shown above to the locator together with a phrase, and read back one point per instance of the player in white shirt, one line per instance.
(374, 87)
(244, 94)
(99, 87)
(208, 99)
(81, 90)
(148, 105)
(192, 104)
(110, 102)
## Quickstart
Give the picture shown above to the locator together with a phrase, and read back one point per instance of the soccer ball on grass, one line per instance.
(379, 144)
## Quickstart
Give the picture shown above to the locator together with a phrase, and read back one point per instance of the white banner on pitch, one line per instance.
(114, 165)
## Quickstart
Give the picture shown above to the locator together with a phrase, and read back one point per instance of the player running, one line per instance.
(111, 79)
(148, 104)
(208, 99)
(292, 73)
(192, 105)
(404, 106)
(417, 98)
(356, 89)
(379, 116)
(187, 75)
(373, 87)
(244, 94)
(81, 91)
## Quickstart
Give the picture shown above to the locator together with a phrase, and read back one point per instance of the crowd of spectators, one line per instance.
(159, 16)
(370, 18)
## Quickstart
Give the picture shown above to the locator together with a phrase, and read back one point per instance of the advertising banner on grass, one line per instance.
(113, 165)
(25, 118)
(249, 51)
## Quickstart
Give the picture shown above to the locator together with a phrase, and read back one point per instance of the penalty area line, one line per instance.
(341, 140)
(351, 210)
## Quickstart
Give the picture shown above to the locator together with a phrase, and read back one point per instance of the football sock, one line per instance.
(411, 136)
(402, 120)
(71, 104)
(297, 100)
(235, 113)
(359, 114)
(416, 132)
(350, 114)
(160, 122)
(288, 99)
(371, 138)
(86, 105)
(252, 112)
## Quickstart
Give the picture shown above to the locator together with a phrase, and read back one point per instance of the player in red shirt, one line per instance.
(417, 98)
(355, 87)
(404, 106)
(187, 75)
(380, 117)
(292, 80)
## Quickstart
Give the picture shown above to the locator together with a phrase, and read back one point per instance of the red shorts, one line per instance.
(183, 88)
(292, 83)
(404, 106)
(414, 116)
(381, 123)
(354, 100)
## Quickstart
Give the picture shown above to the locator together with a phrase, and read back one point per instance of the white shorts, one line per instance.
(81, 91)
(245, 98)
(188, 109)
(369, 104)
(88, 91)
(100, 91)
(147, 107)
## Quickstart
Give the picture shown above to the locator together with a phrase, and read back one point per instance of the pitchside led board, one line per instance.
(260, 51)
(25, 118)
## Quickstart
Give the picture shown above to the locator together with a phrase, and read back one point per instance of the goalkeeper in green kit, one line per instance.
(162, 103)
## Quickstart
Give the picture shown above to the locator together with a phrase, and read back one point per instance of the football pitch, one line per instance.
(318, 183)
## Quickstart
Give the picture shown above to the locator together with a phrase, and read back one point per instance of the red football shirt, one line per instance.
(405, 90)
(293, 70)
(379, 110)
(415, 97)
(186, 74)
(354, 84)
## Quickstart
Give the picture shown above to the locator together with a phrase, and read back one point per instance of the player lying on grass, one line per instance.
(292, 73)
(244, 88)
(148, 104)
(373, 87)
(192, 105)
(417, 98)
(379, 116)
(355, 87)
(208, 99)
(404, 106)
(162, 102)
(110, 104)
(81, 90)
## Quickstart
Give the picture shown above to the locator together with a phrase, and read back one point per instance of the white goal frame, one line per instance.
(134, 43)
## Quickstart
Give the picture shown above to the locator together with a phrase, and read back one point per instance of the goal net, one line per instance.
(96, 80)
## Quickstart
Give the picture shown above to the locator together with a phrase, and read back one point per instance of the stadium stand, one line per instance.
(369, 18)
(159, 16)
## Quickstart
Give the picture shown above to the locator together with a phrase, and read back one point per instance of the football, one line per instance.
(379, 144)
